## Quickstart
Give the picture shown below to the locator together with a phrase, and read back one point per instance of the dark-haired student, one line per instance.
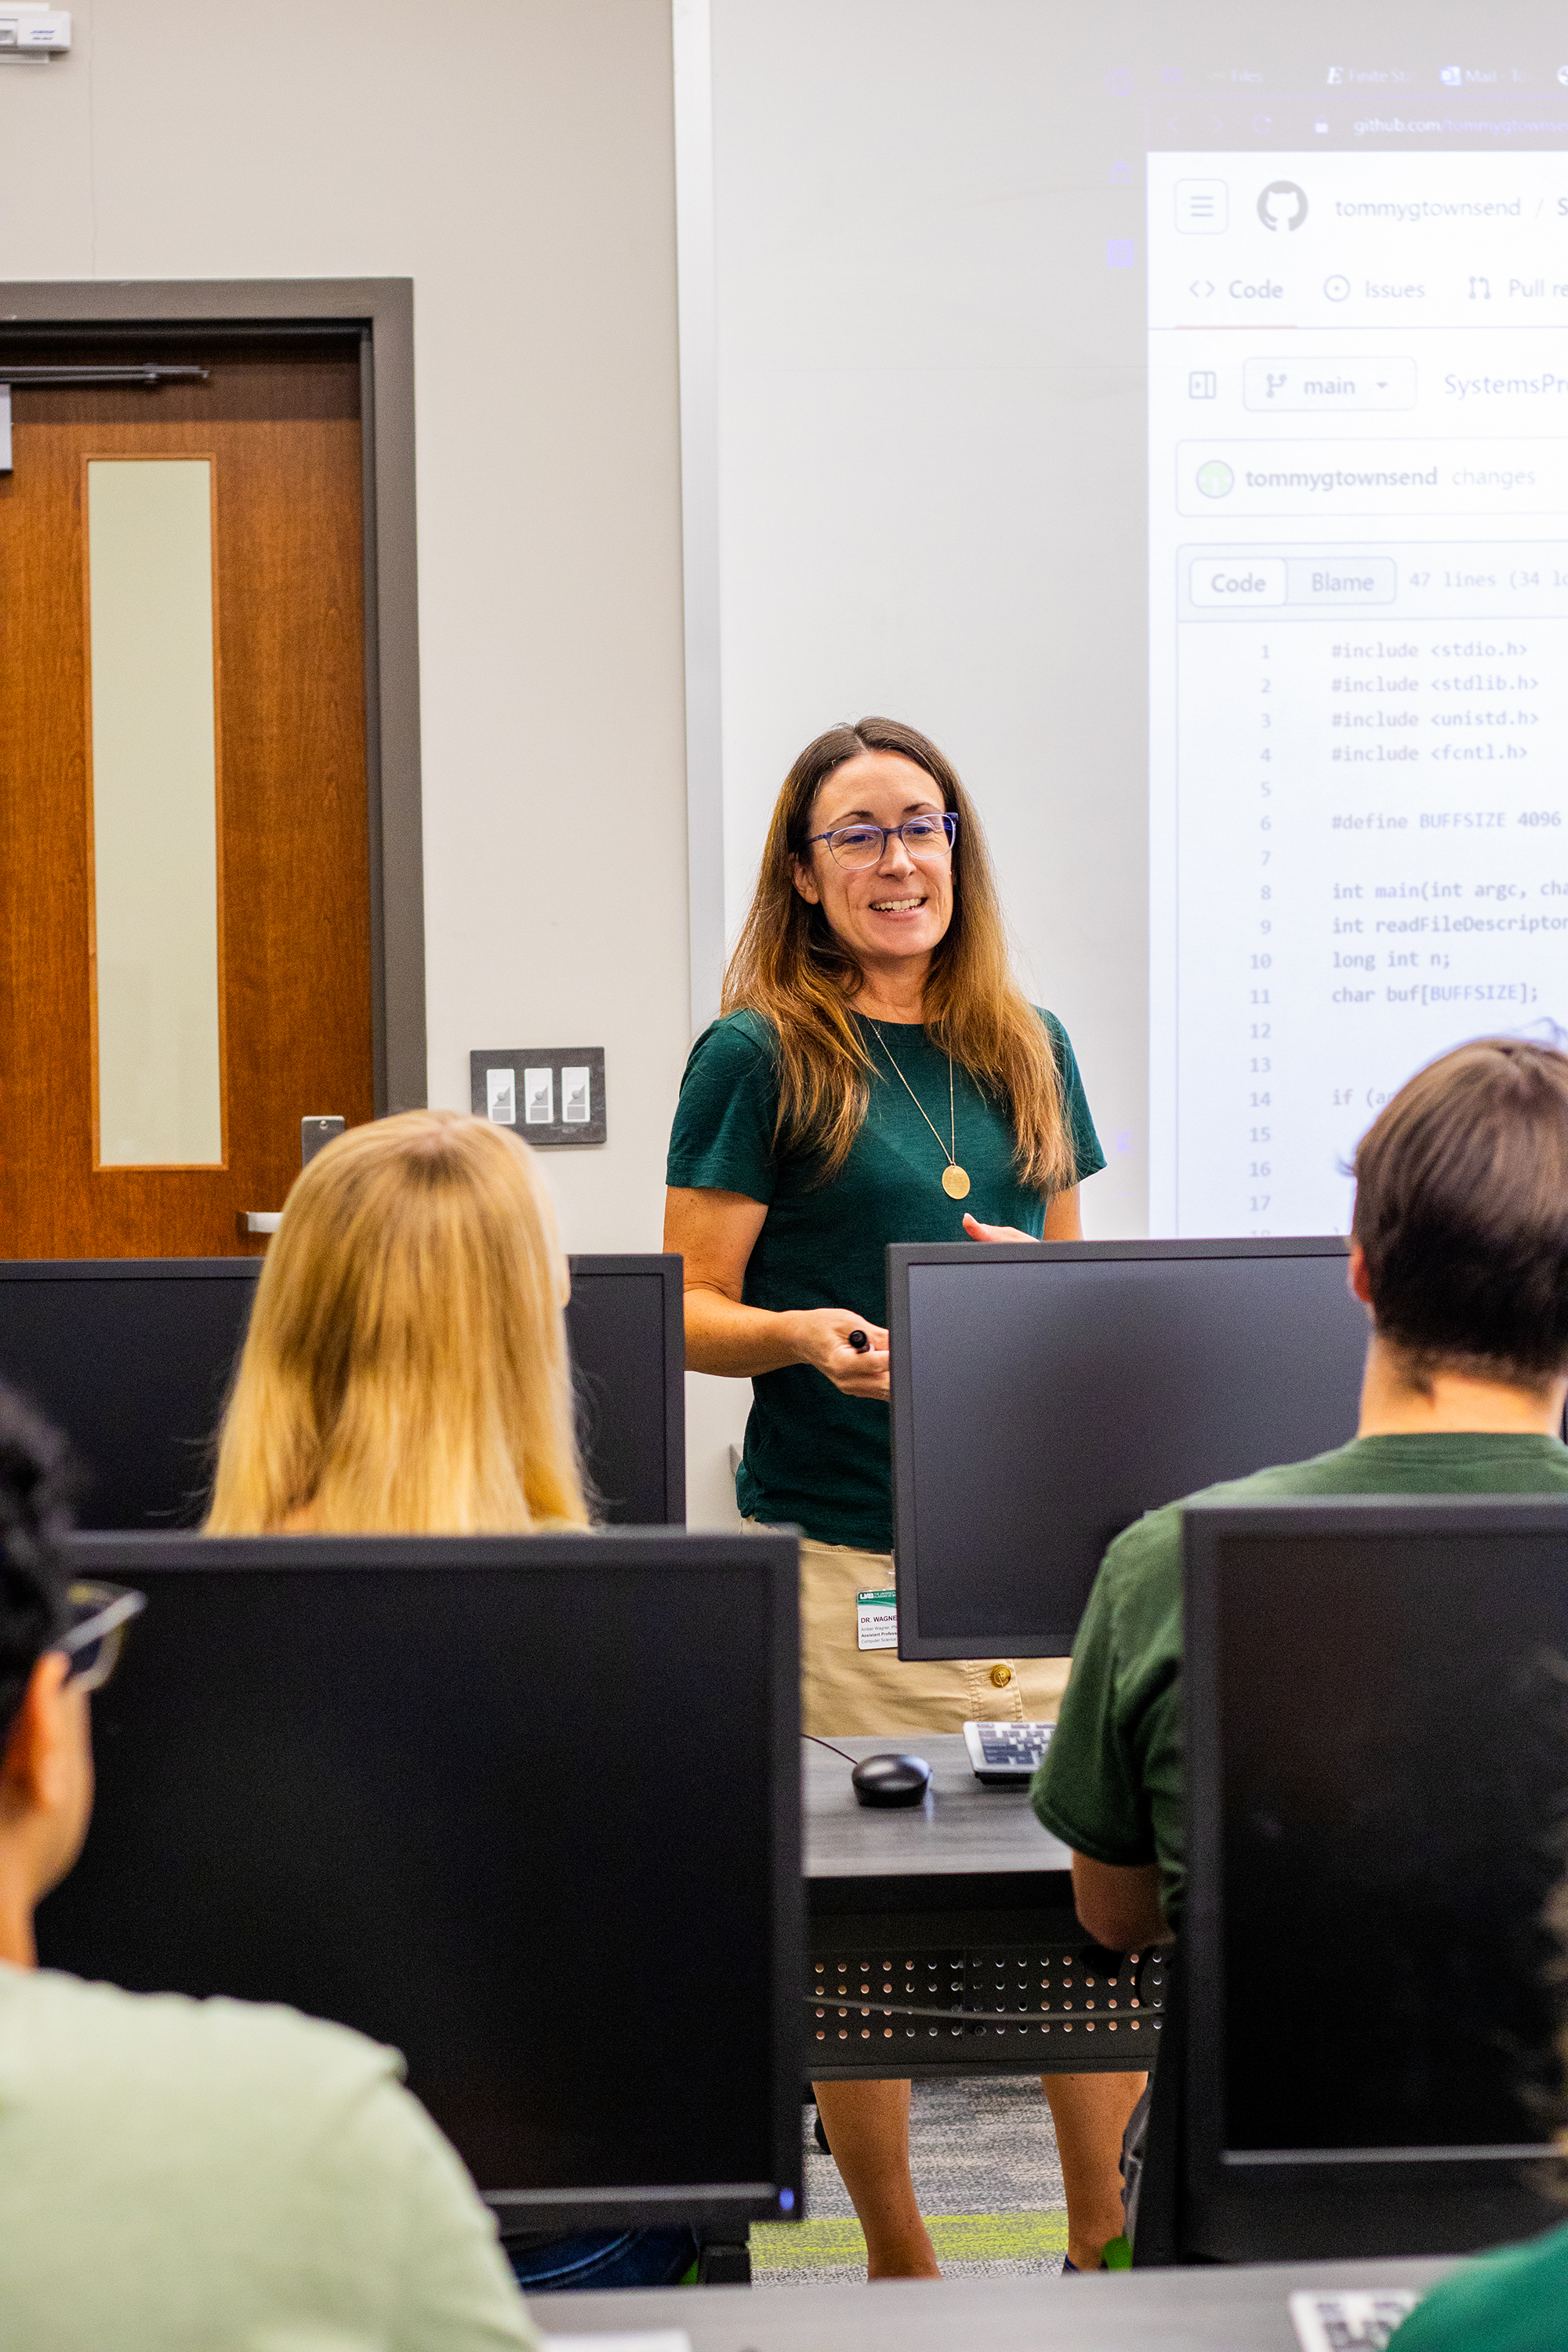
(1459, 1250)
(175, 2174)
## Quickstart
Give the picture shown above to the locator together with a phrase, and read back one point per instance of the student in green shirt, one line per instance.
(178, 2176)
(1459, 1252)
(878, 1076)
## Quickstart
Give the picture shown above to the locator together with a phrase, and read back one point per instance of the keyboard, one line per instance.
(1005, 1754)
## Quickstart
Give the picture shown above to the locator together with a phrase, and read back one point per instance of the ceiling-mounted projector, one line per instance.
(27, 30)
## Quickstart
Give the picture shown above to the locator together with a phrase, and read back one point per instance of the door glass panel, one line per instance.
(154, 812)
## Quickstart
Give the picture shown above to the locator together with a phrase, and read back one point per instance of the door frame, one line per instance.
(380, 312)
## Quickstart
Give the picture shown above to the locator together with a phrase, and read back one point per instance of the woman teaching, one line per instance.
(877, 1075)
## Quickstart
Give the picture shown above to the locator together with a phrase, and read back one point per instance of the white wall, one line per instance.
(523, 175)
(930, 396)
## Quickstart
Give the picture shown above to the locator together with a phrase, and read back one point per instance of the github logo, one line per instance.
(1282, 205)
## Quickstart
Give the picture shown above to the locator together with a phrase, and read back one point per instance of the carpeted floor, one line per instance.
(986, 2171)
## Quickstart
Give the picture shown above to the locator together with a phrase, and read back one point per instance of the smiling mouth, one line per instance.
(896, 906)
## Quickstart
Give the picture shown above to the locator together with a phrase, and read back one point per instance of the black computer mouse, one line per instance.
(890, 1780)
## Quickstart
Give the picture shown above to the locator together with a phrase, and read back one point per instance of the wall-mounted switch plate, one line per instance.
(550, 1094)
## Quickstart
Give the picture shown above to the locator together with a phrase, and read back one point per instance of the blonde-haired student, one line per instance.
(406, 1372)
(407, 1367)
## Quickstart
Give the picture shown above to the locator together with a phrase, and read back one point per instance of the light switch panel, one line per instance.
(551, 1095)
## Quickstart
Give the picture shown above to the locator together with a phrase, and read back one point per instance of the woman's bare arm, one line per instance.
(715, 1234)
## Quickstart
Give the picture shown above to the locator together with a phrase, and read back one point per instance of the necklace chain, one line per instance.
(951, 1149)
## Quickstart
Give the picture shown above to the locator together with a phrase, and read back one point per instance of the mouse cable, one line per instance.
(832, 1750)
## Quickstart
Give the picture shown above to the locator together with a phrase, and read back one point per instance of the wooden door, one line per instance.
(277, 424)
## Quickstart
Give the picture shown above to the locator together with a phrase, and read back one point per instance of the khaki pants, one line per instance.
(845, 1689)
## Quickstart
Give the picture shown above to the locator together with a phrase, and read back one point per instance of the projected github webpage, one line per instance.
(1358, 390)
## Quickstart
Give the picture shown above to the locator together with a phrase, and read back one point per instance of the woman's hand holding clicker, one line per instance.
(821, 1337)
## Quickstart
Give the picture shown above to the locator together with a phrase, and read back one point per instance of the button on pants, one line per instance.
(847, 1689)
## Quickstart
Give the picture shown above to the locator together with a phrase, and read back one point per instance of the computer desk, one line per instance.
(1239, 2309)
(968, 1881)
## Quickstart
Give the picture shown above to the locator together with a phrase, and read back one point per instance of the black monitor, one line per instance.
(1376, 1700)
(132, 1358)
(526, 1808)
(626, 1323)
(1046, 1395)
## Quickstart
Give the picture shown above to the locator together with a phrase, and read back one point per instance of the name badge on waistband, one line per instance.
(877, 1621)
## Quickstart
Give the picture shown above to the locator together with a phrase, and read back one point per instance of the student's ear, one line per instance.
(37, 1769)
(1356, 1277)
(804, 882)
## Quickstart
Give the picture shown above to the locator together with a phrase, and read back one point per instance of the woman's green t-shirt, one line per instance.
(814, 1455)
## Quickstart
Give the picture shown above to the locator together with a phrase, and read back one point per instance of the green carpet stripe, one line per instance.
(997, 2237)
(957, 2237)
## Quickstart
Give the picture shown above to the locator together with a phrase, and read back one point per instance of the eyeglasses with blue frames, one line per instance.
(858, 845)
(93, 1640)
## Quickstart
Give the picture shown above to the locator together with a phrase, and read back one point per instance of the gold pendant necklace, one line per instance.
(954, 1179)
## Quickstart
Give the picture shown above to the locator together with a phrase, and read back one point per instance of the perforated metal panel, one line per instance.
(1046, 2004)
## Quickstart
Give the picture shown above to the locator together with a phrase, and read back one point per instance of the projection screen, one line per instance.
(1167, 410)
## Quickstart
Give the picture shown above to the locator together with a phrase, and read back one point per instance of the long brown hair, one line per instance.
(791, 968)
(405, 1368)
